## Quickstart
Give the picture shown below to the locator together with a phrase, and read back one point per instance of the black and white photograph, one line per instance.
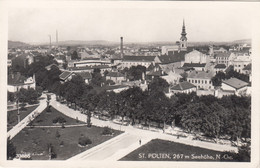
(159, 83)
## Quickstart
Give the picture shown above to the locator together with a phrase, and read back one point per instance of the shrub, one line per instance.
(107, 131)
(83, 141)
(58, 120)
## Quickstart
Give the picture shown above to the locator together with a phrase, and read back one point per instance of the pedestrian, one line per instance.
(140, 142)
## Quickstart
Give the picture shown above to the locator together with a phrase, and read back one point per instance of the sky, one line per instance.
(135, 24)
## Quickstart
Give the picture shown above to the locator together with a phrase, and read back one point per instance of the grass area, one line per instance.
(46, 118)
(162, 150)
(12, 116)
(35, 140)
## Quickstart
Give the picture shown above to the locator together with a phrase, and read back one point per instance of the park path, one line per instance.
(22, 124)
(14, 107)
(58, 126)
(120, 146)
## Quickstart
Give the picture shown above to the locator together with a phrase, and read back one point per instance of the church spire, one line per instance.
(183, 39)
(183, 33)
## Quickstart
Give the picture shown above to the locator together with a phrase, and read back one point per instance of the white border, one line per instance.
(255, 10)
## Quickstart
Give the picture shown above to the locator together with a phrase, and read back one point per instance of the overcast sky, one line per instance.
(134, 24)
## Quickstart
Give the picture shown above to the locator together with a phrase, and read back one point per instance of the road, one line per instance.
(118, 147)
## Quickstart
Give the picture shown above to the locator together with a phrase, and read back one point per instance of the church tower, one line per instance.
(183, 39)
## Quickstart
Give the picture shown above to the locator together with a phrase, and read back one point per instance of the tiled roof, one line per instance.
(248, 67)
(235, 83)
(165, 59)
(139, 58)
(64, 75)
(16, 79)
(155, 73)
(178, 56)
(220, 66)
(115, 74)
(201, 74)
(223, 54)
(183, 86)
(202, 49)
(152, 66)
(193, 65)
(84, 75)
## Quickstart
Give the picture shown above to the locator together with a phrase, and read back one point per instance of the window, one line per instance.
(192, 81)
(202, 81)
(195, 81)
(209, 82)
(198, 81)
(205, 82)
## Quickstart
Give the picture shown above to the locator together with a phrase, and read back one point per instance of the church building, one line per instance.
(179, 46)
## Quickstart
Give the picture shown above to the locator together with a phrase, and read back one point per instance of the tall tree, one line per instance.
(11, 149)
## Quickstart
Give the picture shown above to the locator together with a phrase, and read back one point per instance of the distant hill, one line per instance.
(82, 43)
(13, 44)
(244, 41)
(139, 44)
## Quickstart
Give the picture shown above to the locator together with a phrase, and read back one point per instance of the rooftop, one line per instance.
(64, 75)
(201, 74)
(235, 83)
(220, 66)
(223, 54)
(185, 65)
(183, 86)
(139, 58)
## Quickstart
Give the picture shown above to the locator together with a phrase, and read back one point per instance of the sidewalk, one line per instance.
(97, 148)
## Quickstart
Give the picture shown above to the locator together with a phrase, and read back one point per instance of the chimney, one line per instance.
(50, 41)
(121, 47)
(57, 40)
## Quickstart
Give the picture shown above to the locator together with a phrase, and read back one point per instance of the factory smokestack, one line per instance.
(50, 41)
(121, 47)
(57, 40)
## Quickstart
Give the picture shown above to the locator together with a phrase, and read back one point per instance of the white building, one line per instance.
(201, 79)
(183, 87)
(196, 57)
(236, 85)
(129, 61)
(17, 81)
(240, 62)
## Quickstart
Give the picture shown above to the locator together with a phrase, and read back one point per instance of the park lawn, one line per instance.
(35, 140)
(162, 150)
(46, 118)
(12, 116)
